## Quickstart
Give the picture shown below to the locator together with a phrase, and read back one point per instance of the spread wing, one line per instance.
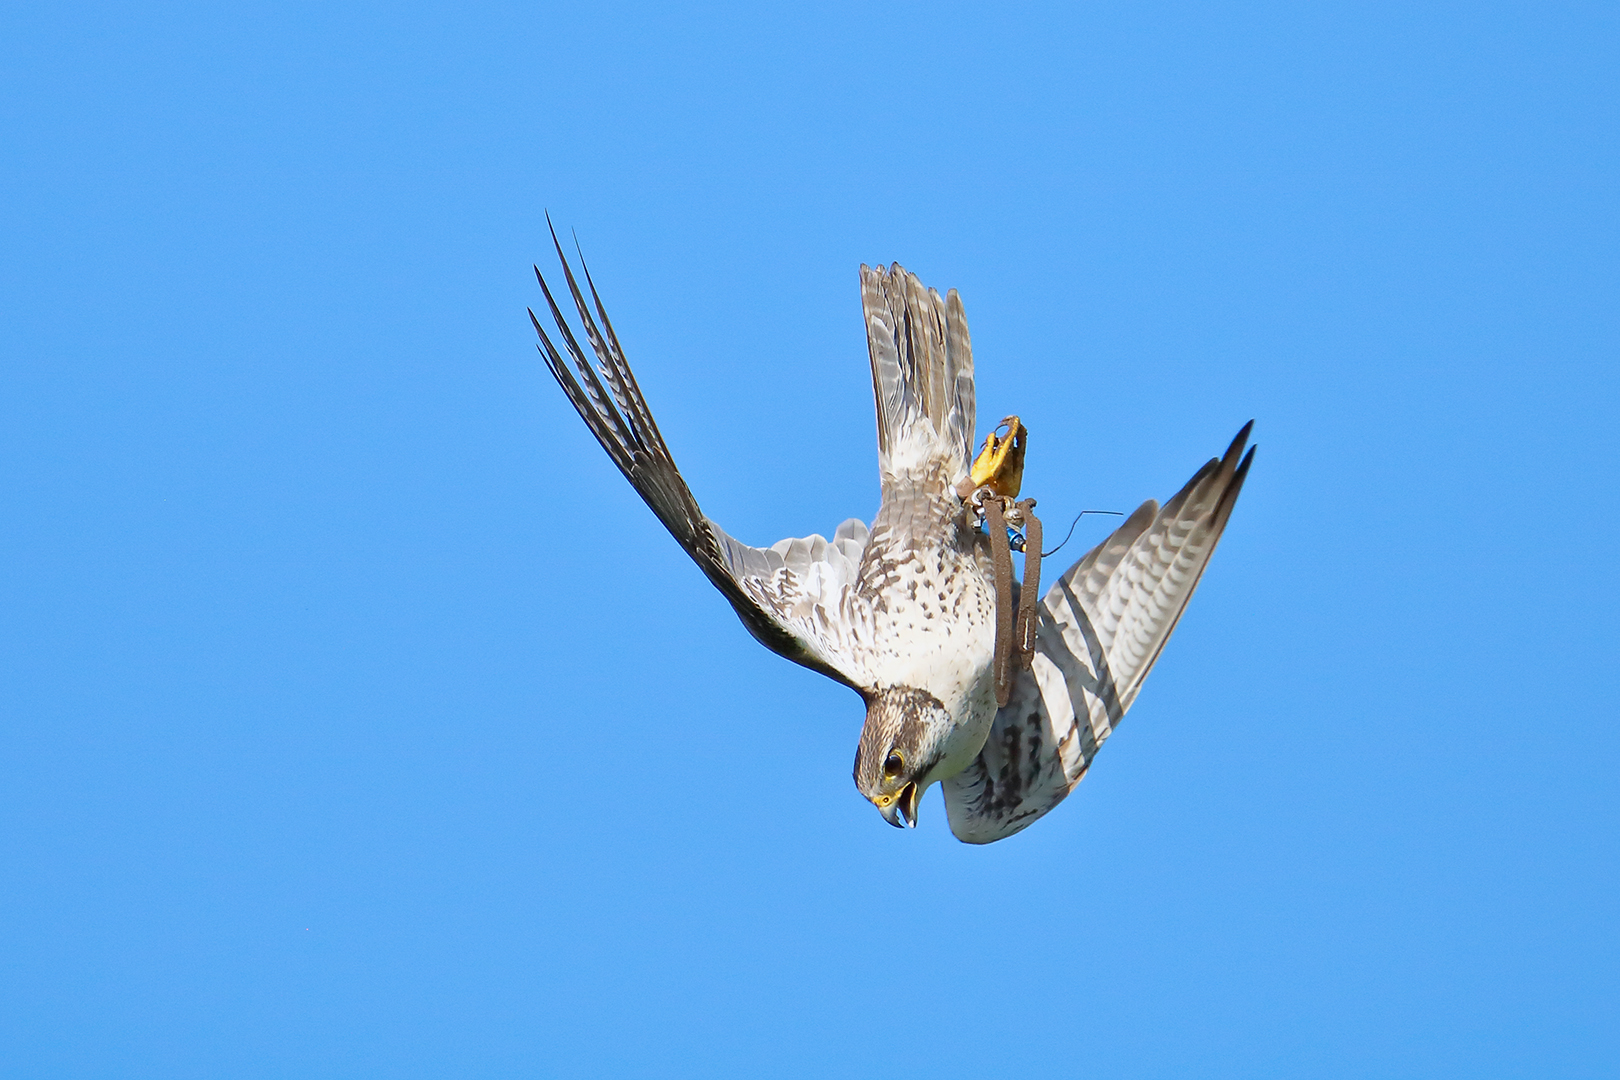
(797, 597)
(1103, 624)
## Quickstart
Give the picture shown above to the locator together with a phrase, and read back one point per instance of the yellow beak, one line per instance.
(900, 809)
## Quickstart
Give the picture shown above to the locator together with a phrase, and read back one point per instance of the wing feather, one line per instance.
(1103, 626)
(798, 597)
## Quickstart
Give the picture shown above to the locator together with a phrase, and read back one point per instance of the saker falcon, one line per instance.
(904, 611)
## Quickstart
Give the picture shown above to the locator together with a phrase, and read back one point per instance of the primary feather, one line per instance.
(904, 612)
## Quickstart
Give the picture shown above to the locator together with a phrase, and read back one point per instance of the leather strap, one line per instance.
(1015, 634)
(1029, 597)
(1001, 553)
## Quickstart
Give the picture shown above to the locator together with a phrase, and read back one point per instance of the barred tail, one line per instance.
(922, 375)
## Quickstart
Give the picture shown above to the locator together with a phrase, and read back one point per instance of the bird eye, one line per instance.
(894, 763)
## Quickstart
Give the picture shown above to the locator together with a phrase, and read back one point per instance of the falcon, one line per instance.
(904, 611)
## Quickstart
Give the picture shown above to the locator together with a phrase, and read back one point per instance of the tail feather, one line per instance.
(922, 375)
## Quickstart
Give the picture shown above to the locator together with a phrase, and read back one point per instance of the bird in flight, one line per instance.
(904, 612)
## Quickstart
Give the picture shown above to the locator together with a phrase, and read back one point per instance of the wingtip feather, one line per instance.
(1234, 487)
(1238, 441)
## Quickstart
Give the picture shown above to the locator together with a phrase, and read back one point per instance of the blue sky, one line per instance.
(327, 746)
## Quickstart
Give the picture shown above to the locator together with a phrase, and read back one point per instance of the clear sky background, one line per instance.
(356, 718)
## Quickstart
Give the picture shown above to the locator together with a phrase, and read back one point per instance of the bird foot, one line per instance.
(1000, 465)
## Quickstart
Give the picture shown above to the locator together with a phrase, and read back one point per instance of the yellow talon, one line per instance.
(1001, 463)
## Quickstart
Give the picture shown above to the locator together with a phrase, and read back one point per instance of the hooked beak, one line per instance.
(902, 811)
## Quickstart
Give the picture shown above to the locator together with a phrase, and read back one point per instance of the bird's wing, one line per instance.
(797, 597)
(1103, 624)
(922, 379)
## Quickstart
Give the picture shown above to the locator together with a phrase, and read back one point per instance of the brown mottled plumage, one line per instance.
(904, 613)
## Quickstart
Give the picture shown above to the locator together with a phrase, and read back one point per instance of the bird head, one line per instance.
(900, 744)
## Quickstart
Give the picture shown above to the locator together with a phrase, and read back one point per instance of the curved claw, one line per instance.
(1000, 465)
